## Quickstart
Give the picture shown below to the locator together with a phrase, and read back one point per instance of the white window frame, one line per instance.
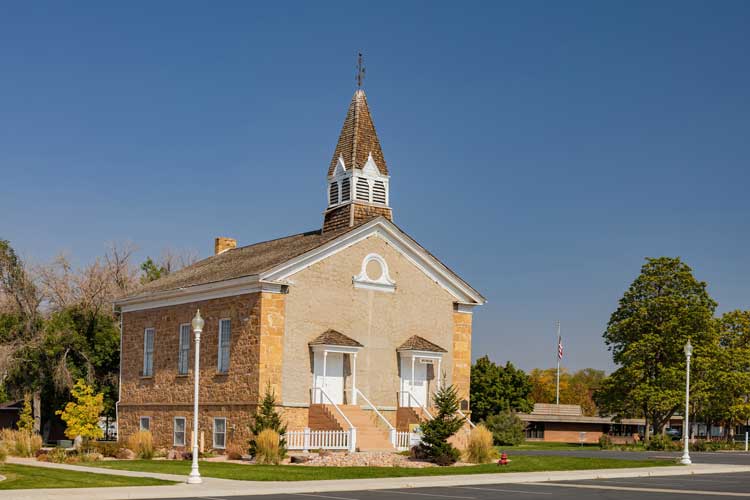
(224, 445)
(229, 347)
(140, 423)
(183, 348)
(174, 431)
(148, 368)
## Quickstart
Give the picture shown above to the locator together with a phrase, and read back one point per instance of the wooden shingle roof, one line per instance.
(332, 337)
(417, 343)
(358, 138)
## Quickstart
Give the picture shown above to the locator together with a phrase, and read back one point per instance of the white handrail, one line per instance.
(324, 393)
(420, 405)
(390, 427)
(471, 424)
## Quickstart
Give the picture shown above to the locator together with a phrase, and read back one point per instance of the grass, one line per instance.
(221, 470)
(19, 477)
(542, 445)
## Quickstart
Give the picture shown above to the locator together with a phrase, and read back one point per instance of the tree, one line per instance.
(26, 419)
(152, 271)
(268, 418)
(575, 388)
(82, 415)
(495, 388)
(663, 308)
(436, 432)
(506, 427)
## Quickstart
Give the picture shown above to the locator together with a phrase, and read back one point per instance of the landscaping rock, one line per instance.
(299, 459)
(174, 455)
(125, 454)
(363, 459)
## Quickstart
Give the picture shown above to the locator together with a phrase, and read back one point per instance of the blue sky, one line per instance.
(540, 149)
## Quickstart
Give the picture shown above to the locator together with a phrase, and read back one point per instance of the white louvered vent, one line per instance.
(363, 190)
(378, 192)
(345, 189)
(333, 193)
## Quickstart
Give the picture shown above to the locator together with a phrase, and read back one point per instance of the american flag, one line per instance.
(559, 348)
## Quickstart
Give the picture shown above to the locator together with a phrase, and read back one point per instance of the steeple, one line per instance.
(358, 178)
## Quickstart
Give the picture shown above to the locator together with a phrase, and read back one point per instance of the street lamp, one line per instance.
(685, 460)
(195, 476)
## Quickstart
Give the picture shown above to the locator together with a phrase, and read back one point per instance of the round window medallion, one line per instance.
(374, 270)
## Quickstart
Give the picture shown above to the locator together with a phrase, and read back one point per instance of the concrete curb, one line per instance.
(212, 487)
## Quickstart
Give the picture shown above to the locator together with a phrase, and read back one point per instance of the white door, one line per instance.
(418, 388)
(332, 381)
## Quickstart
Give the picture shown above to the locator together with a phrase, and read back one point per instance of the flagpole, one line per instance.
(557, 385)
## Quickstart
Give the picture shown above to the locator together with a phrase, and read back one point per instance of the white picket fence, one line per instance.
(403, 441)
(309, 439)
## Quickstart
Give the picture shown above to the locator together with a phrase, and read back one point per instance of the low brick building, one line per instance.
(337, 321)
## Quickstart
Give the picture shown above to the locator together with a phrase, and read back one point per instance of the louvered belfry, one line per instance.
(358, 181)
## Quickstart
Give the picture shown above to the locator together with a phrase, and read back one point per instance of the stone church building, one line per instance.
(353, 325)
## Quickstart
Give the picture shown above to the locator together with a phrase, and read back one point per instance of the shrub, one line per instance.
(234, 452)
(107, 449)
(57, 455)
(480, 449)
(661, 442)
(3, 454)
(605, 442)
(142, 444)
(506, 428)
(90, 457)
(436, 432)
(267, 447)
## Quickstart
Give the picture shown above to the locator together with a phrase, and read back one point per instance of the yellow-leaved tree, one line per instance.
(26, 419)
(81, 416)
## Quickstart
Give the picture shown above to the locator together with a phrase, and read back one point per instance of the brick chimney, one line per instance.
(222, 244)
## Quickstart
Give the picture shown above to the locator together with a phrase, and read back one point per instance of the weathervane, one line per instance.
(360, 70)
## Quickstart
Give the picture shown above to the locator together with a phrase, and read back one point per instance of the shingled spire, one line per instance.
(358, 138)
(358, 178)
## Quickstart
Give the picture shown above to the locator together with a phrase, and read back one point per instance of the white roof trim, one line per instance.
(385, 229)
(196, 293)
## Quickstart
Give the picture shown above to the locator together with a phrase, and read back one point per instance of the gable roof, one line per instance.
(332, 337)
(358, 138)
(239, 262)
(417, 343)
(248, 269)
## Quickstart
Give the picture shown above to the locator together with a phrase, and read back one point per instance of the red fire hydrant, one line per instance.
(503, 459)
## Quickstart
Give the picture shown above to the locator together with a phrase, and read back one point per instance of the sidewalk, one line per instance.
(212, 487)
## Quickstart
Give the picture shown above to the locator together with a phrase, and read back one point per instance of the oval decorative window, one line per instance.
(374, 275)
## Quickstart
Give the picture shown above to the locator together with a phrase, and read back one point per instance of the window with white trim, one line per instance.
(220, 432)
(346, 188)
(333, 193)
(148, 352)
(179, 431)
(145, 424)
(363, 189)
(183, 352)
(225, 334)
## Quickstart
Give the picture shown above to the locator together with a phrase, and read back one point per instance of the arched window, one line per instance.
(378, 192)
(333, 193)
(363, 189)
(345, 189)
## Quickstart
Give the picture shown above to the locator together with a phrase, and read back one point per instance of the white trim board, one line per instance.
(389, 232)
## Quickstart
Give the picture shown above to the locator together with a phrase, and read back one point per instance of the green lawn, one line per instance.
(221, 470)
(19, 477)
(541, 445)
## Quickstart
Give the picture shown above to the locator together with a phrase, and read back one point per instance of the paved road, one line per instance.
(733, 458)
(692, 487)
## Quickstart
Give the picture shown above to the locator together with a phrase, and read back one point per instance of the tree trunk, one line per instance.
(37, 411)
(646, 431)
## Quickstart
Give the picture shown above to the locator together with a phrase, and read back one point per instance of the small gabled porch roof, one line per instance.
(333, 338)
(417, 343)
